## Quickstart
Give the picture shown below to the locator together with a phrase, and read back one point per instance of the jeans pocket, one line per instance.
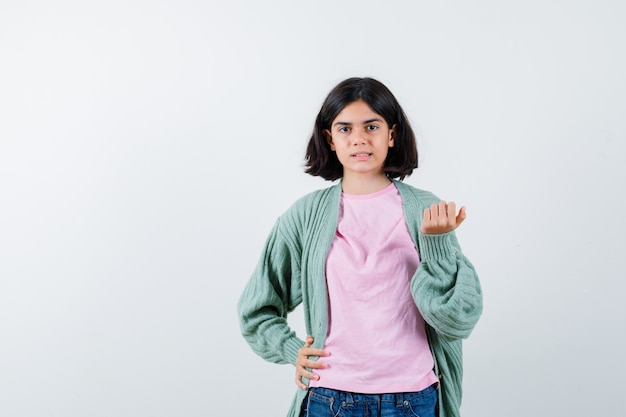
(319, 405)
(422, 405)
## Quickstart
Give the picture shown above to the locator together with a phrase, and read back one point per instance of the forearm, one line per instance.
(267, 333)
(270, 294)
(446, 288)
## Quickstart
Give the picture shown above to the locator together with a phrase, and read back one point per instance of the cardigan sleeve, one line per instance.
(271, 293)
(446, 288)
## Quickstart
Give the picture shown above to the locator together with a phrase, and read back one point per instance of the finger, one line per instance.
(308, 341)
(309, 363)
(305, 373)
(302, 372)
(299, 383)
(451, 213)
(442, 219)
(309, 351)
(426, 218)
(434, 211)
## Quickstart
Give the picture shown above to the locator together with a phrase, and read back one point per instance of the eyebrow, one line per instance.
(368, 121)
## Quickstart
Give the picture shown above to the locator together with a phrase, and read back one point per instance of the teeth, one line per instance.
(362, 154)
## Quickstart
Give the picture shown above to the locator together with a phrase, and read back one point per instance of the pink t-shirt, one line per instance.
(376, 337)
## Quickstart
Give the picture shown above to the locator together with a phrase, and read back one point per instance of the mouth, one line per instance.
(361, 155)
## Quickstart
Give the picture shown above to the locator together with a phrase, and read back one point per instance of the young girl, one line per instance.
(387, 293)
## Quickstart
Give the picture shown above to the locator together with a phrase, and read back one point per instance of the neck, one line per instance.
(360, 185)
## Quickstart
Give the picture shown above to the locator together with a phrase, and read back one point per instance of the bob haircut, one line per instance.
(402, 157)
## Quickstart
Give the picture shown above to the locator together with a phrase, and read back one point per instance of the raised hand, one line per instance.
(442, 218)
(303, 362)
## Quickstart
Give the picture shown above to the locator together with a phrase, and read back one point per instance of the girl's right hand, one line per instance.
(303, 362)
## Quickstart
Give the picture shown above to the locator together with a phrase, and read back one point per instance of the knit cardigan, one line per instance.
(291, 271)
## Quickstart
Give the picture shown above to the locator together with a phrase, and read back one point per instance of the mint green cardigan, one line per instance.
(445, 288)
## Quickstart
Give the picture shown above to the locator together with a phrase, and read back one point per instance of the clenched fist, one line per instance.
(442, 218)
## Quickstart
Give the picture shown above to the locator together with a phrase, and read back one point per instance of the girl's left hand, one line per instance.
(303, 362)
(442, 218)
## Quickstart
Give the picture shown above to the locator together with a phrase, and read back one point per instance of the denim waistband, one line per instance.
(352, 397)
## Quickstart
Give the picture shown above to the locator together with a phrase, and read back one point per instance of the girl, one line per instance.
(387, 293)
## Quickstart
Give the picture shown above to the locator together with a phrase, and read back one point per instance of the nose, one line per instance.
(358, 137)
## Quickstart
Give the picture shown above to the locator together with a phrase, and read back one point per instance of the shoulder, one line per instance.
(314, 200)
(314, 205)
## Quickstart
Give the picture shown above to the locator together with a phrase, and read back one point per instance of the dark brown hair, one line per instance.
(402, 157)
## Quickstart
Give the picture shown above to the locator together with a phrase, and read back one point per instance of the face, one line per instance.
(361, 138)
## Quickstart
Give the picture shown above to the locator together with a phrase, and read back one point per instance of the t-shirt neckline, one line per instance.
(378, 193)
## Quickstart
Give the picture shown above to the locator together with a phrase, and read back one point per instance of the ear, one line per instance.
(329, 139)
(392, 135)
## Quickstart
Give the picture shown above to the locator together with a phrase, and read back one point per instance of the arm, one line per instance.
(445, 286)
(272, 292)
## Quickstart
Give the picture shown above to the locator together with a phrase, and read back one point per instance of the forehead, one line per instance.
(356, 112)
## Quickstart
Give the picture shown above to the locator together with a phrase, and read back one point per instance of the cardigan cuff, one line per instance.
(435, 247)
(291, 348)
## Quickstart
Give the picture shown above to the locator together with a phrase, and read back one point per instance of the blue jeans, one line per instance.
(324, 402)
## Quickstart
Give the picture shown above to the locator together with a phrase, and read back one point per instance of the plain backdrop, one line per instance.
(147, 147)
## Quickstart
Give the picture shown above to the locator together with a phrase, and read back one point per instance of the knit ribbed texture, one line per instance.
(291, 270)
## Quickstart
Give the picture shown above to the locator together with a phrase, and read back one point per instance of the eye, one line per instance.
(344, 129)
(371, 127)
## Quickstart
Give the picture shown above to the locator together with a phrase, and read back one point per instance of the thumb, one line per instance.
(461, 216)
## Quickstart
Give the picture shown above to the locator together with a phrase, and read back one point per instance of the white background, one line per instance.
(147, 147)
